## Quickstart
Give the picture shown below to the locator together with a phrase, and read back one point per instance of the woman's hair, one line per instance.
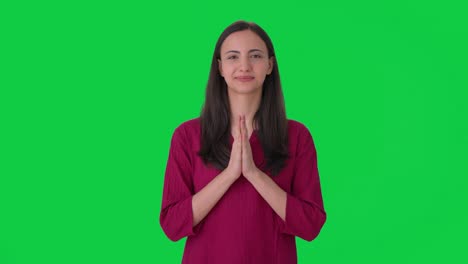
(270, 116)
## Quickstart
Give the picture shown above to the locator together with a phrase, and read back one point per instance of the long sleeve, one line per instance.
(176, 217)
(305, 214)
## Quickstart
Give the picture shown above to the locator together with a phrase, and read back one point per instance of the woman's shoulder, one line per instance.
(299, 135)
(296, 127)
(189, 127)
(193, 123)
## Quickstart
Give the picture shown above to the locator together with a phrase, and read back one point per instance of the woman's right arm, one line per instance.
(206, 198)
(181, 209)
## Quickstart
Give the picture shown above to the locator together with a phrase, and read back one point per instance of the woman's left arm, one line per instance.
(302, 210)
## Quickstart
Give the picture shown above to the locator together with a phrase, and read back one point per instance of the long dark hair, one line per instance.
(270, 116)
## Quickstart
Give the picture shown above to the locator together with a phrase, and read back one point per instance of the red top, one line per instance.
(241, 227)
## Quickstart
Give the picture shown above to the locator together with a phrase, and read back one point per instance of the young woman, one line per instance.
(242, 180)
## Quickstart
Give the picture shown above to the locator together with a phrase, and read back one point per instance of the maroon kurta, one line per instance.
(241, 227)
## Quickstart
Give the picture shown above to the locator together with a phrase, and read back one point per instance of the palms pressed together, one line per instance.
(241, 161)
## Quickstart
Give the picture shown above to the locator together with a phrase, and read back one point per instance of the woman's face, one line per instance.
(244, 62)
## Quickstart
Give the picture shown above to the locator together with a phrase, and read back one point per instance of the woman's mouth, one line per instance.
(245, 78)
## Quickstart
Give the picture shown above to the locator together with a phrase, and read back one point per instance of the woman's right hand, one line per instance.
(234, 167)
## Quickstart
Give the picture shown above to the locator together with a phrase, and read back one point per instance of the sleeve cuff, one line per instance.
(190, 229)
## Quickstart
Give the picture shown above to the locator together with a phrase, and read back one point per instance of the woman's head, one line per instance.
(244, 62)
(242, 36)
(244, 50)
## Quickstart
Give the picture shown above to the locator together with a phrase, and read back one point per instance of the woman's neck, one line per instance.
(244, 104)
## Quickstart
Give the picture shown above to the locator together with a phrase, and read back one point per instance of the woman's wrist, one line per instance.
(254, 173)
(230, 174)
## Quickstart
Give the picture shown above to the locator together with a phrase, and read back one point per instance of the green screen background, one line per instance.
(90, 93)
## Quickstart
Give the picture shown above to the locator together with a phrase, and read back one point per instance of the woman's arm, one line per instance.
(206, 198)
(270, 191)
(181, 209)
(301, 211)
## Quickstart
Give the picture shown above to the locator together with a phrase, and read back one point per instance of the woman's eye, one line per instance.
(257, 56)
(232, 57)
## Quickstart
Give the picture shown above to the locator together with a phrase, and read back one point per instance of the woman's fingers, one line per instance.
(241, 130)
(239, 141)
(246, 142)
(248, 165)
(235, 162)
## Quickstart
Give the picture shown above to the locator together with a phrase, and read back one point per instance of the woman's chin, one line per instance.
(244, 89)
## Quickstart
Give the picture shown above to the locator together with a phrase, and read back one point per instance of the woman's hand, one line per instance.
(248, 165)
(241, 160)
(234, 167)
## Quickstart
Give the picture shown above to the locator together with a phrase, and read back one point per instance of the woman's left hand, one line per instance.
(249, 168)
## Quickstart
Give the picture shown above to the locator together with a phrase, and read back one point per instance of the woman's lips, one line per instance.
(245, 78)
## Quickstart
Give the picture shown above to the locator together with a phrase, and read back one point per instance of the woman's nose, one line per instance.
(245, 64)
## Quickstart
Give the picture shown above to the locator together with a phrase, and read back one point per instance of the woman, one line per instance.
(242, 180)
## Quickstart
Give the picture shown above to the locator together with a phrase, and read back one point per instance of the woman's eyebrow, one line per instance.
(236, 51)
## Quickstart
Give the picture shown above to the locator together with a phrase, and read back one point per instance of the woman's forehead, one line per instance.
(243, 41)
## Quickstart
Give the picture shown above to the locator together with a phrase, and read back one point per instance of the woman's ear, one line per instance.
(271, 63)
(220, 68)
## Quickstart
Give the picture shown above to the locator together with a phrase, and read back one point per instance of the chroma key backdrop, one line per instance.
(91, 92)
